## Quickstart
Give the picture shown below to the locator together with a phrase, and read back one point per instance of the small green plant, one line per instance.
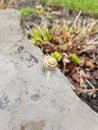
(40, 11)
(47, 37)
(75, 59)
(41, 35)
(57, 56)
(26, 11)
(37, 36)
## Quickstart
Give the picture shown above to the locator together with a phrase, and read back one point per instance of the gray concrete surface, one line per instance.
(27, 100)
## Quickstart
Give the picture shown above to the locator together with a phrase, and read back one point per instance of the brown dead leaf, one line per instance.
(66, 36)
(64, 47)
(76, 77)
(69, 44)
(89, 64)
(72, 67)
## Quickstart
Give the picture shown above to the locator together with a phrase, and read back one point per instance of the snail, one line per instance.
(49, 63)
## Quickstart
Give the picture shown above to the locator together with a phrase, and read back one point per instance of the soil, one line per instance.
(79, 42)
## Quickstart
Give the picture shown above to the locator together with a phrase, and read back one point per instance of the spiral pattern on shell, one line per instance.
(49, 62)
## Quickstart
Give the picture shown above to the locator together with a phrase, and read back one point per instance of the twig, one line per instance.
(84, 24)
(75, 21)
(86, 49)
(85, 91)
(90, 84)
(81, 78)
(96, 38)
(28, 30)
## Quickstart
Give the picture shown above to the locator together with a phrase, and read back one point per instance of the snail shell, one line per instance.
(49, 62)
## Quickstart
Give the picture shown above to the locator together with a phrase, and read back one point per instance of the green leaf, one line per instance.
(57, 56)
(47, 34)
(70, 30)
(37, 36)
(36, 33)
(46, 39)
(75, 59)
(46, 31)
(26, 11)
(40, 11)
(33, 40)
